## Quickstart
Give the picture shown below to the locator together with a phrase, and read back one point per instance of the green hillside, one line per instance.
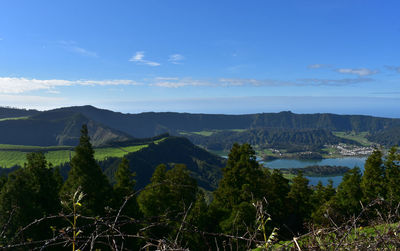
(11, 155)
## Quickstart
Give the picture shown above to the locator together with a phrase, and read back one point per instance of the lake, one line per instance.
(293, 163)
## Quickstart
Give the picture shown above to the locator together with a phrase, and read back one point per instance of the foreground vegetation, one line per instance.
(252, 207)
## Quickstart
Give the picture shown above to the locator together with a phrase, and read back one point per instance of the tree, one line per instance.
(372, 182)
(392, 175)
(30, 193)
(86, 174)
(319, 199)
(124, 188)
(349, 194)
(242, 183)
(276, 196)
(299, 201)
(243, 178)
(167, 198)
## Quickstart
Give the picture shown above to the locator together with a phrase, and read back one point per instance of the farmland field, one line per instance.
(11, 155)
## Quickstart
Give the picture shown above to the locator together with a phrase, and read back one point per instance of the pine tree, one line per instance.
(372, 182)
(86, 174)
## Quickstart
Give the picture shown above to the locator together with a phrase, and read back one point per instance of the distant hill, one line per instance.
(151, 124)
(61, 126)
(8, 112)
(44, 129)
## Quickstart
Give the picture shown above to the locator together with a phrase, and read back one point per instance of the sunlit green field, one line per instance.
(359, 137)
(58, 154)
(14, 118)
(211, 132)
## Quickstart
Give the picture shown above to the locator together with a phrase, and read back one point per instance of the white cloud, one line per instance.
(21, 85)
(32, 102)
(73, 47)
(139, 58)
(359, 71)
(176, 58)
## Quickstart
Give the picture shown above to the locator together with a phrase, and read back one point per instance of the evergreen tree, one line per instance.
(299, 201)
(243, 178)
(86, 173)
(392, 177)
(30, 193)
(167, 198)
(242, 183)
(276, 196)
(319, 199)
(124, 188)
(372, 182)
(349, 194)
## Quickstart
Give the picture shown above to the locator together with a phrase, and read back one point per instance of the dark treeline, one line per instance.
(250, 205)
(317, 171)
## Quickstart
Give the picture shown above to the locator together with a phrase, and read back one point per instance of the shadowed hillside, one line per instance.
(204, 166)
(44, 129)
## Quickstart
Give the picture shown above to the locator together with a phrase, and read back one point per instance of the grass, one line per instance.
(211, 132)
(11, 155)
(33, 148)
(14, 118)
(358, 137)
(356, 234)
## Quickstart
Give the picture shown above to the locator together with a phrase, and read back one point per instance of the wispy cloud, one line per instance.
(176, 58)
(245, 82)
(360, 71)
(226, 82)
(166, 78)
(139, 58)
(22, 85)
(393, 68)
(318, 66)
(72, 46)
(177, 82)
(333, 82)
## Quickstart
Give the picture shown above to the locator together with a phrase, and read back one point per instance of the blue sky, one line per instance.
(202, 56)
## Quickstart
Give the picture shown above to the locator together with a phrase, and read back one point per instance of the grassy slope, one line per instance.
(359, 137)
(356, 234)
(11, 155)
(210, 132)
(14, 118)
